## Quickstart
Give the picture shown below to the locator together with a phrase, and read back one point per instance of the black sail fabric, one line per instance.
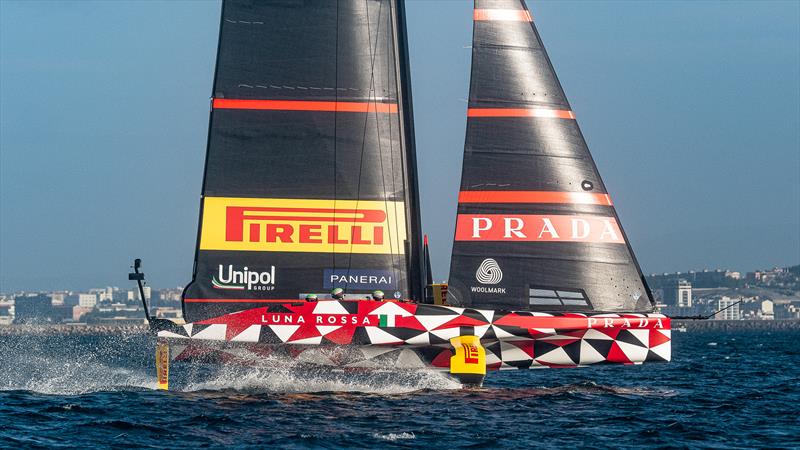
(536, 229)
(310, 177)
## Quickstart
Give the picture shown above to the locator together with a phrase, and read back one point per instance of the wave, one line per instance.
(584, 388)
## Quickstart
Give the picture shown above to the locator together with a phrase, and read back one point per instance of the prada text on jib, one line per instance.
(541, 228)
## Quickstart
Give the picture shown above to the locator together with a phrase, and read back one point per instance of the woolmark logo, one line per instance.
(489, 272)
(246, 279)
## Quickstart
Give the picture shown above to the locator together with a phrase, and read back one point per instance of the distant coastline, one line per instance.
(18, 330)
(736, 325)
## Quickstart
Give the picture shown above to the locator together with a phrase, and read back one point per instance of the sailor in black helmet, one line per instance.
(337, 294)
(377, 295)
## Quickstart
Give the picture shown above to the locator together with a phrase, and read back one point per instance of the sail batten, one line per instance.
(533, 212)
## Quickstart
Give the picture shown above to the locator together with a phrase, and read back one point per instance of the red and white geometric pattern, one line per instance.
(409, 334)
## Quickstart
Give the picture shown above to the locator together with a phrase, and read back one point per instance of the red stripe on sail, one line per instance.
(580, 198)
(521, 112)
(304, 105)
(506, 15)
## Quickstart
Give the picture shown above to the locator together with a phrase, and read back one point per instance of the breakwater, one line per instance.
(737, 325)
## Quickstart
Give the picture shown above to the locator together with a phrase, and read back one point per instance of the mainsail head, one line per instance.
(310, 177)
(536, 229)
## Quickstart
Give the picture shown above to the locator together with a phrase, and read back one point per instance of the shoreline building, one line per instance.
(87, 300)
(731, 312)
(684, 294)
(767, 311)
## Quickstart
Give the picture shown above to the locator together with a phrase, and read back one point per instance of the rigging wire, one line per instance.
(372, 92)
(393, 59)
(335, 131)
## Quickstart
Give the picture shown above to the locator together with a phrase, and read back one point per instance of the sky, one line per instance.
(691, 111)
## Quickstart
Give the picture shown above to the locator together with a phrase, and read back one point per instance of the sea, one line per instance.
(723, 389)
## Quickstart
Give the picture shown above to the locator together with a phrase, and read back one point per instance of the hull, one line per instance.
(394, 335)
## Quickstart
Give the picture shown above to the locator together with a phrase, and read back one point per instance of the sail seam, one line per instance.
(521, 112)
(491, 150)
(507, 47)
(583, 198)
(549, 258)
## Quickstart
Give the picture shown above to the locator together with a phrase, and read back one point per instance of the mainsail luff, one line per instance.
(310, 172)
(536, 228)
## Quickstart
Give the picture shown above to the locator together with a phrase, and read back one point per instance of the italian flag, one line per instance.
(386, 320)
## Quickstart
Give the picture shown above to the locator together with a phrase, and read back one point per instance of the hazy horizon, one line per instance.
(691, 111)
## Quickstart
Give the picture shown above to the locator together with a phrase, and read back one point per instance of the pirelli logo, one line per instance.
(297, 225)
(471, 354)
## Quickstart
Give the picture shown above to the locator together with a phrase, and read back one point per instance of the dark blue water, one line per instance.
(723, 390)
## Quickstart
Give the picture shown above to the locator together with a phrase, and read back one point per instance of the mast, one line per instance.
(310, 174)
(415, 260)
(536, 229)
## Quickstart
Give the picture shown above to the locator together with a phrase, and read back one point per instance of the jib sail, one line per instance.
(310, 177)
(536, 229)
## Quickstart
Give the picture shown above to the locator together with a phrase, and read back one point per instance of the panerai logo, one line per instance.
(488, 273)
(246, 279)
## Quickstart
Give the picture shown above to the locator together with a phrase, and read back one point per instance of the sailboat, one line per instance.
(310, 184)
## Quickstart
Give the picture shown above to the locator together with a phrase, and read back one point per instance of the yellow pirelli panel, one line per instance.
(297, 225)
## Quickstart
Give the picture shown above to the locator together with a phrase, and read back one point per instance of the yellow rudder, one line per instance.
(162, 365)
(468, 363)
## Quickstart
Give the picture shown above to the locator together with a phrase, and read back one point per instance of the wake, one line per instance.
(77, 365)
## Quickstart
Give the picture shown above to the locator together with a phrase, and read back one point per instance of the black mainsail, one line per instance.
(536, 229)
(310, 176)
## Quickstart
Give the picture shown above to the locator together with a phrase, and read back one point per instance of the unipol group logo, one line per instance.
(299, 225)
(489, 272)
(229, 278)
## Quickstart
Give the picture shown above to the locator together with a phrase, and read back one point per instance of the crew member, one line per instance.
(337, 294)
(377, 295)
(311, 297)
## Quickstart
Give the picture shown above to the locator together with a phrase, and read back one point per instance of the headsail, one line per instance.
(310, 177)
(536, 228)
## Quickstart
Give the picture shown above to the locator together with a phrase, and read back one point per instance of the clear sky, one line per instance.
(691, 110)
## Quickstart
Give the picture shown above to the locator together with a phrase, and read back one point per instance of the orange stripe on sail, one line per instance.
(521, 112)
(581, 198)
(506, 15)
(304, 105)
